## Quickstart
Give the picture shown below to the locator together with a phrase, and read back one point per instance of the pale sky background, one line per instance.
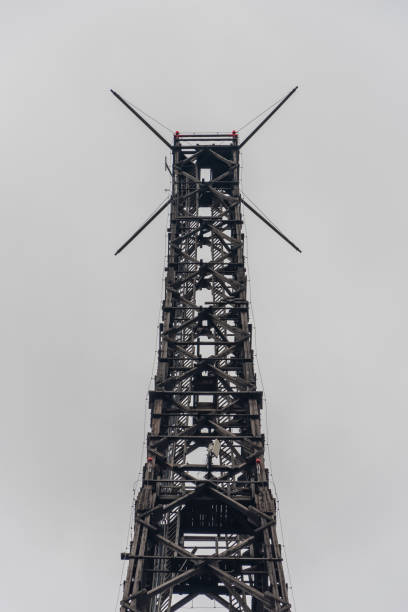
(78, 328)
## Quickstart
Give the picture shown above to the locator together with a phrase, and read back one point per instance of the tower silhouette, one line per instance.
(205, 517)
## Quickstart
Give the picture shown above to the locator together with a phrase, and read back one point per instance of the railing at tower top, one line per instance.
(205, 139)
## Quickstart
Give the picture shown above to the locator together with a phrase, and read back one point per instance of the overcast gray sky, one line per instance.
(78, 327)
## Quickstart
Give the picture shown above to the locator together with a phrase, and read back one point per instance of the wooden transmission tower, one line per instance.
(205, 517)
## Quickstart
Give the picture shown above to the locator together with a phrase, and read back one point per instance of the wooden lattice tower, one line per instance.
(205, 518)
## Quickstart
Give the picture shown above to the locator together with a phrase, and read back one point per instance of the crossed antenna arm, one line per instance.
(142, 119)
(137, 232)
(273, 111)
(271, 225)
